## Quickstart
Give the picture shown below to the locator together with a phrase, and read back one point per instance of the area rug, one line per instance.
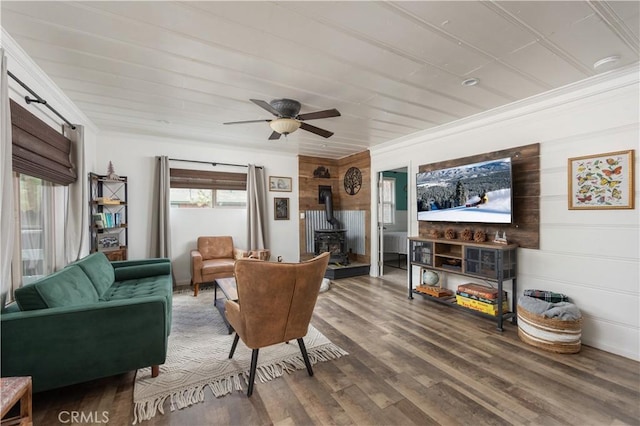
(198, 358)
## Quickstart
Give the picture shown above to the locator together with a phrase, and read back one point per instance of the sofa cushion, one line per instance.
(213, 266)
(140, 287)
(217, 268)
(28, 298)
(99, 270)
(67, 287)
(215, 247)
(124, 273)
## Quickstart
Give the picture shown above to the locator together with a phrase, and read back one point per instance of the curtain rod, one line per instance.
(38, 99)
(212, 163)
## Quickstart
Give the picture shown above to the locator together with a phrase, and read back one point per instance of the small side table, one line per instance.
(262, 254)
(12, 391)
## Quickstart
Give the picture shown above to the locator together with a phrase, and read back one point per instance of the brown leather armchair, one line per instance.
(214, 258)
(275, 304)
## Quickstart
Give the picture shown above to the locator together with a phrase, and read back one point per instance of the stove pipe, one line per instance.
(328, 207)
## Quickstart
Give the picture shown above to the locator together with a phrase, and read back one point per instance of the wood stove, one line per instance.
(332, 241)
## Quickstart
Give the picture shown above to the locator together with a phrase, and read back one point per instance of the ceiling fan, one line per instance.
(288, 120)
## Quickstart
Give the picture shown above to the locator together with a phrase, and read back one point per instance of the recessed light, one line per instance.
(604, 61)
(470, 82)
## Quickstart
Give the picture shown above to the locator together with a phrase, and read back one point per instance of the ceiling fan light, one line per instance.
(284, 126)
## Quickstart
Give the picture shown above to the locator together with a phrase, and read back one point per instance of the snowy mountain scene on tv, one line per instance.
(479, 192)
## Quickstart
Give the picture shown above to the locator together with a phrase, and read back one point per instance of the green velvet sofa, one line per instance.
(92, 319)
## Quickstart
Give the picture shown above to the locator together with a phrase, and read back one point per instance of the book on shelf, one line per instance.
(479, 290)
(480, 298)
(476, 305)
(109, 217)
(98, 221)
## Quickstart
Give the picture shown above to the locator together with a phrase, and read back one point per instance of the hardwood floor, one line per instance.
(410, 362)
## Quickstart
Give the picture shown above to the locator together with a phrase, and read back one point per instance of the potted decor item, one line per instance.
(111, 174)
(479, 236)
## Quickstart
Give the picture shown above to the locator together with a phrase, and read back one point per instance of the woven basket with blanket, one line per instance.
(555, 327)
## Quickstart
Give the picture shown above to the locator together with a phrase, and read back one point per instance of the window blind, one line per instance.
(38, 150)
(201, 179)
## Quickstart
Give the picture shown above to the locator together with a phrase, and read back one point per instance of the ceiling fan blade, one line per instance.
(316, 130)
(274, 136)
(319, 114)
(248, 121)
(267, 106)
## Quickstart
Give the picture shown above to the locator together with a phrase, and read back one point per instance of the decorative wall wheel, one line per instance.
(353, 181)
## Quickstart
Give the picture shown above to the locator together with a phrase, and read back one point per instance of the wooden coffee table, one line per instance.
(12, 391)
(230, 292)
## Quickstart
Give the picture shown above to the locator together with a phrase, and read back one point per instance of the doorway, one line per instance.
(393, 200)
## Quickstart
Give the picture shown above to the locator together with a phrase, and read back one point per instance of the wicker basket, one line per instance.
(550, 334)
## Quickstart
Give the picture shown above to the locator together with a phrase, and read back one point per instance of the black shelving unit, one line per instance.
(487, 261)
(109, 216)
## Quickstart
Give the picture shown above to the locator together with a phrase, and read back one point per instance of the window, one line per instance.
(388, 200)
(42, 166)
(203, 189)
(191, 198)
(207, 198)
(230, 198)
(35, 228)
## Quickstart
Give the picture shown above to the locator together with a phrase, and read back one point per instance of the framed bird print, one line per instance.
(602, 181)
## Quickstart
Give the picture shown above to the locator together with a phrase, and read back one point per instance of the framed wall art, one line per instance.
(281, 208)
(602, 181)
(108, 242)
(280, 184)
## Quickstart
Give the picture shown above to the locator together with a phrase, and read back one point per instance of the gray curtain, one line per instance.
(161, 232)
(76, 215)
(7, 222)
(256, 209)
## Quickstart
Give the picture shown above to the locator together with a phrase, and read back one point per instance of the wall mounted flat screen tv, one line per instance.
(477, 193)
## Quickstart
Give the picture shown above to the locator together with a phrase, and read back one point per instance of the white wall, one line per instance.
(134, 156)
(592, 256)
(401, 221)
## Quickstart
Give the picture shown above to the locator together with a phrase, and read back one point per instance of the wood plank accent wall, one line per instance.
(525, 229)
(308, 192)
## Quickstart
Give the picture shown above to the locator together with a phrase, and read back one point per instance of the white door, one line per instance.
(380, 225)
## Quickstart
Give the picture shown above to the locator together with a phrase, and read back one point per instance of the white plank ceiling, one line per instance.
(182, 69)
